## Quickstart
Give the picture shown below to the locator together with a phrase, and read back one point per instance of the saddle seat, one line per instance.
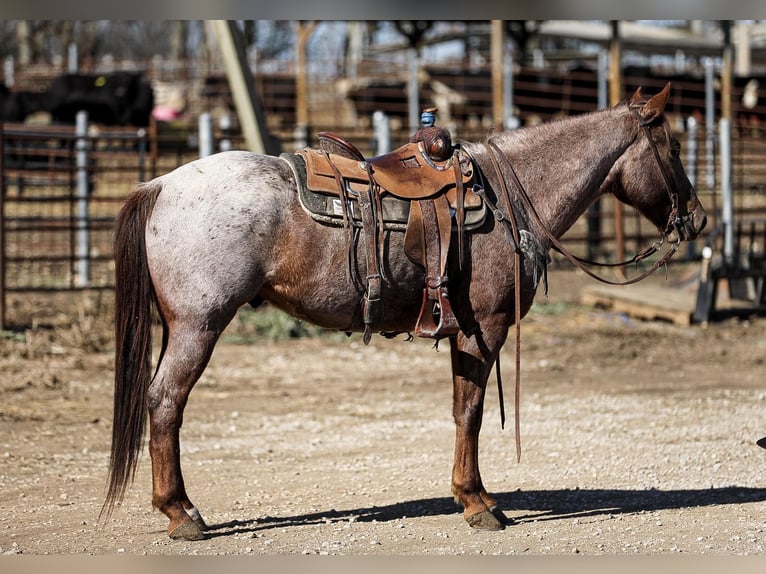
(433, 185)
(407, 173)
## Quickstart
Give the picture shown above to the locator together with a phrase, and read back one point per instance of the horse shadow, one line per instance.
(524, 506)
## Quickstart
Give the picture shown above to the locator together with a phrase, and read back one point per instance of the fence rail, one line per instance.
(61, 190)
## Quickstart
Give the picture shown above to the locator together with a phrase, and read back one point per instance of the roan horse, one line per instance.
(227, 230)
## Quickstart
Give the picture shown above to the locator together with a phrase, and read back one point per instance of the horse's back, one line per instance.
(228, 175)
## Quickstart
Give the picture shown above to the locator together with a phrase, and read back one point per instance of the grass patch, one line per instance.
(552, 309)
(12, 336)
(268, 323)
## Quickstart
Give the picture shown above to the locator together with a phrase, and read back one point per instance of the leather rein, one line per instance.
(674, 221)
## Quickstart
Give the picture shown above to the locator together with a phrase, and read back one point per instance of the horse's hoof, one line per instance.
(484, 520)
(197, 518)
(501, 517)
(199, 521)
(187, 531)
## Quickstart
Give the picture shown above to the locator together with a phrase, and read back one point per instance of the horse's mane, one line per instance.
(544, 133)
(538, 133)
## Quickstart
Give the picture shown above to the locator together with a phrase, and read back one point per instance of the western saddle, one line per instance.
(418, 188)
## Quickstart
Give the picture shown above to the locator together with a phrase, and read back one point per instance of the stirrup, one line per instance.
(426, 326)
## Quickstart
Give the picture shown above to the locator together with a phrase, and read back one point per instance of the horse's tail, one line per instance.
(134, 299)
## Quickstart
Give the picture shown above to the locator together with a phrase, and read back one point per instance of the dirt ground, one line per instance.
(637, 438)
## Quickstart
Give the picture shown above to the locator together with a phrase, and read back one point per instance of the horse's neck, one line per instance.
(564, 165)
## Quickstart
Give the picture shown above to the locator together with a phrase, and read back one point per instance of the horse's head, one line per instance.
(653, 179)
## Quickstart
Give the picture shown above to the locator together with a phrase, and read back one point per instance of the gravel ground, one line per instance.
(638, 438)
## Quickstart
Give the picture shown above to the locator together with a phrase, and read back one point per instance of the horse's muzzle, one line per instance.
(695, 223)
(689, 227)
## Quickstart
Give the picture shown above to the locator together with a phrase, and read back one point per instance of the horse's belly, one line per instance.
(314, 283)
(335, 303)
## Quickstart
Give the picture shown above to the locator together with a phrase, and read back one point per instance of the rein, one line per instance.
(674, 221)
(516, 308)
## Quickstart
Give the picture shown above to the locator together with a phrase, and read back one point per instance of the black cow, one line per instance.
(115, 99)
(17, 106)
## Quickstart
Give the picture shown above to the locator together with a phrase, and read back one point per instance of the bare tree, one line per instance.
(273, 38)
(414, 30)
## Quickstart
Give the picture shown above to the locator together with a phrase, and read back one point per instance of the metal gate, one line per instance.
(61, 189)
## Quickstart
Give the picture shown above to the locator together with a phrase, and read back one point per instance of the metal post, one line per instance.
(726, 71)
(603, 77)
(300, 136)
(225, 124)
(511, 121)
(141, 135)
(691, 150)
(725, 137)
(691, 167)
(382, 129)
(8, 69)
(72, 64)
(205, 129)
(727, 215)
(82, 193)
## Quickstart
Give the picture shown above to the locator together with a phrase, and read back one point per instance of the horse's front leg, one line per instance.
(472, 363)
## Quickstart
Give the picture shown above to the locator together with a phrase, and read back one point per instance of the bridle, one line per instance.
(509, 219)
(674, 220)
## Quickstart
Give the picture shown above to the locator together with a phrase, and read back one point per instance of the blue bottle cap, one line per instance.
(428, 117)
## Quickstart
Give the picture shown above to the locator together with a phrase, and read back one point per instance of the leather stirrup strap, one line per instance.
(372, 305)
(435, 216)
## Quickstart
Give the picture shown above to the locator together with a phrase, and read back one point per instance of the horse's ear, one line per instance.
(636, 97)
(656, 104)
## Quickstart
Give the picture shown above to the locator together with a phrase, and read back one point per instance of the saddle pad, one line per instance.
(324, 204)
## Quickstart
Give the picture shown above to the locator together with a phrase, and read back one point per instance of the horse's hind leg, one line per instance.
(187, 353)
(471, 365)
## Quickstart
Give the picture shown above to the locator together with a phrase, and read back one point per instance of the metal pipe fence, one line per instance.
(62, 188)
